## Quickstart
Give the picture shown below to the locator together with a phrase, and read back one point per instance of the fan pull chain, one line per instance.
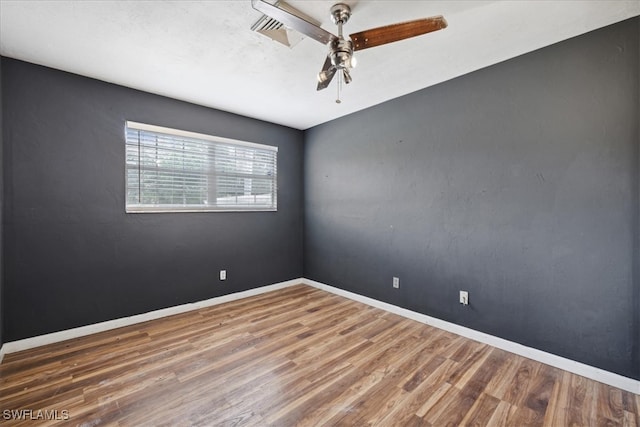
(339, 86)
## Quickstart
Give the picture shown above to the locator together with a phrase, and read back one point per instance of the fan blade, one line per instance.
(326, 74)
(293, 21)
(396, 32)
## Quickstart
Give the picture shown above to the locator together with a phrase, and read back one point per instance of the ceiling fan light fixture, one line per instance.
(347, 76)
(323, 76)
(341, 52)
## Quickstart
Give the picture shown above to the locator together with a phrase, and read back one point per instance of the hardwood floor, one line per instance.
(297, 356)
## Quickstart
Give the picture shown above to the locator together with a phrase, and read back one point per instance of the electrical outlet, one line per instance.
(464, 297)
(223, 274)
(396, 282)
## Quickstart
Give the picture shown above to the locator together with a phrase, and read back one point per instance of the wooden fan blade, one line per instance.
(396, 32)
(293, 21)
(327, 73)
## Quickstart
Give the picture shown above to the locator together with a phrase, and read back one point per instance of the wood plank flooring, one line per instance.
(296, 356)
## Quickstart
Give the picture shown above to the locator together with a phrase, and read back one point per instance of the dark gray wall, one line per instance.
(518, 183)
(636, 282)
(1, 214)
(73, 257)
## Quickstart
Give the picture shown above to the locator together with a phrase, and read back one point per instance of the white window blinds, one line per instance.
(171, 170)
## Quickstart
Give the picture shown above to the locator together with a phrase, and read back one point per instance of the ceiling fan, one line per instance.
(340, 58)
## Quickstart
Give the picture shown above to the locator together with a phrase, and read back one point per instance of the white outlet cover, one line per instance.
(223, 274)
(464, 297)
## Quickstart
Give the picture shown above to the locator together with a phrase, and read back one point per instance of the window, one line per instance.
(171, 170)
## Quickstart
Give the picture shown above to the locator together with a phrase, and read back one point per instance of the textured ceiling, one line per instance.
(204, 51)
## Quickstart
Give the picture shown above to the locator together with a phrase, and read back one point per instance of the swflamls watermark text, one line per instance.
(35, 414)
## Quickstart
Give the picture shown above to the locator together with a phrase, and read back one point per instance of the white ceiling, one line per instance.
(204, 51)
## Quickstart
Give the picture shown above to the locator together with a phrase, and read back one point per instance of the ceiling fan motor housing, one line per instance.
(341, 53)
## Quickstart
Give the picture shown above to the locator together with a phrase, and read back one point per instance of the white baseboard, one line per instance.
(578, 368)
(40, 340)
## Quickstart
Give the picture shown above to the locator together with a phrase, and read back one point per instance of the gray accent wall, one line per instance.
(518, 183)
(74, 257)
(636, 250)
(1, 215)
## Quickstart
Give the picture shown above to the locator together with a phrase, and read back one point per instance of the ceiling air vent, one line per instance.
(277, 31)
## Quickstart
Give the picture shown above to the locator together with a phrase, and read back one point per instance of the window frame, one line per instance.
(206, 138)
